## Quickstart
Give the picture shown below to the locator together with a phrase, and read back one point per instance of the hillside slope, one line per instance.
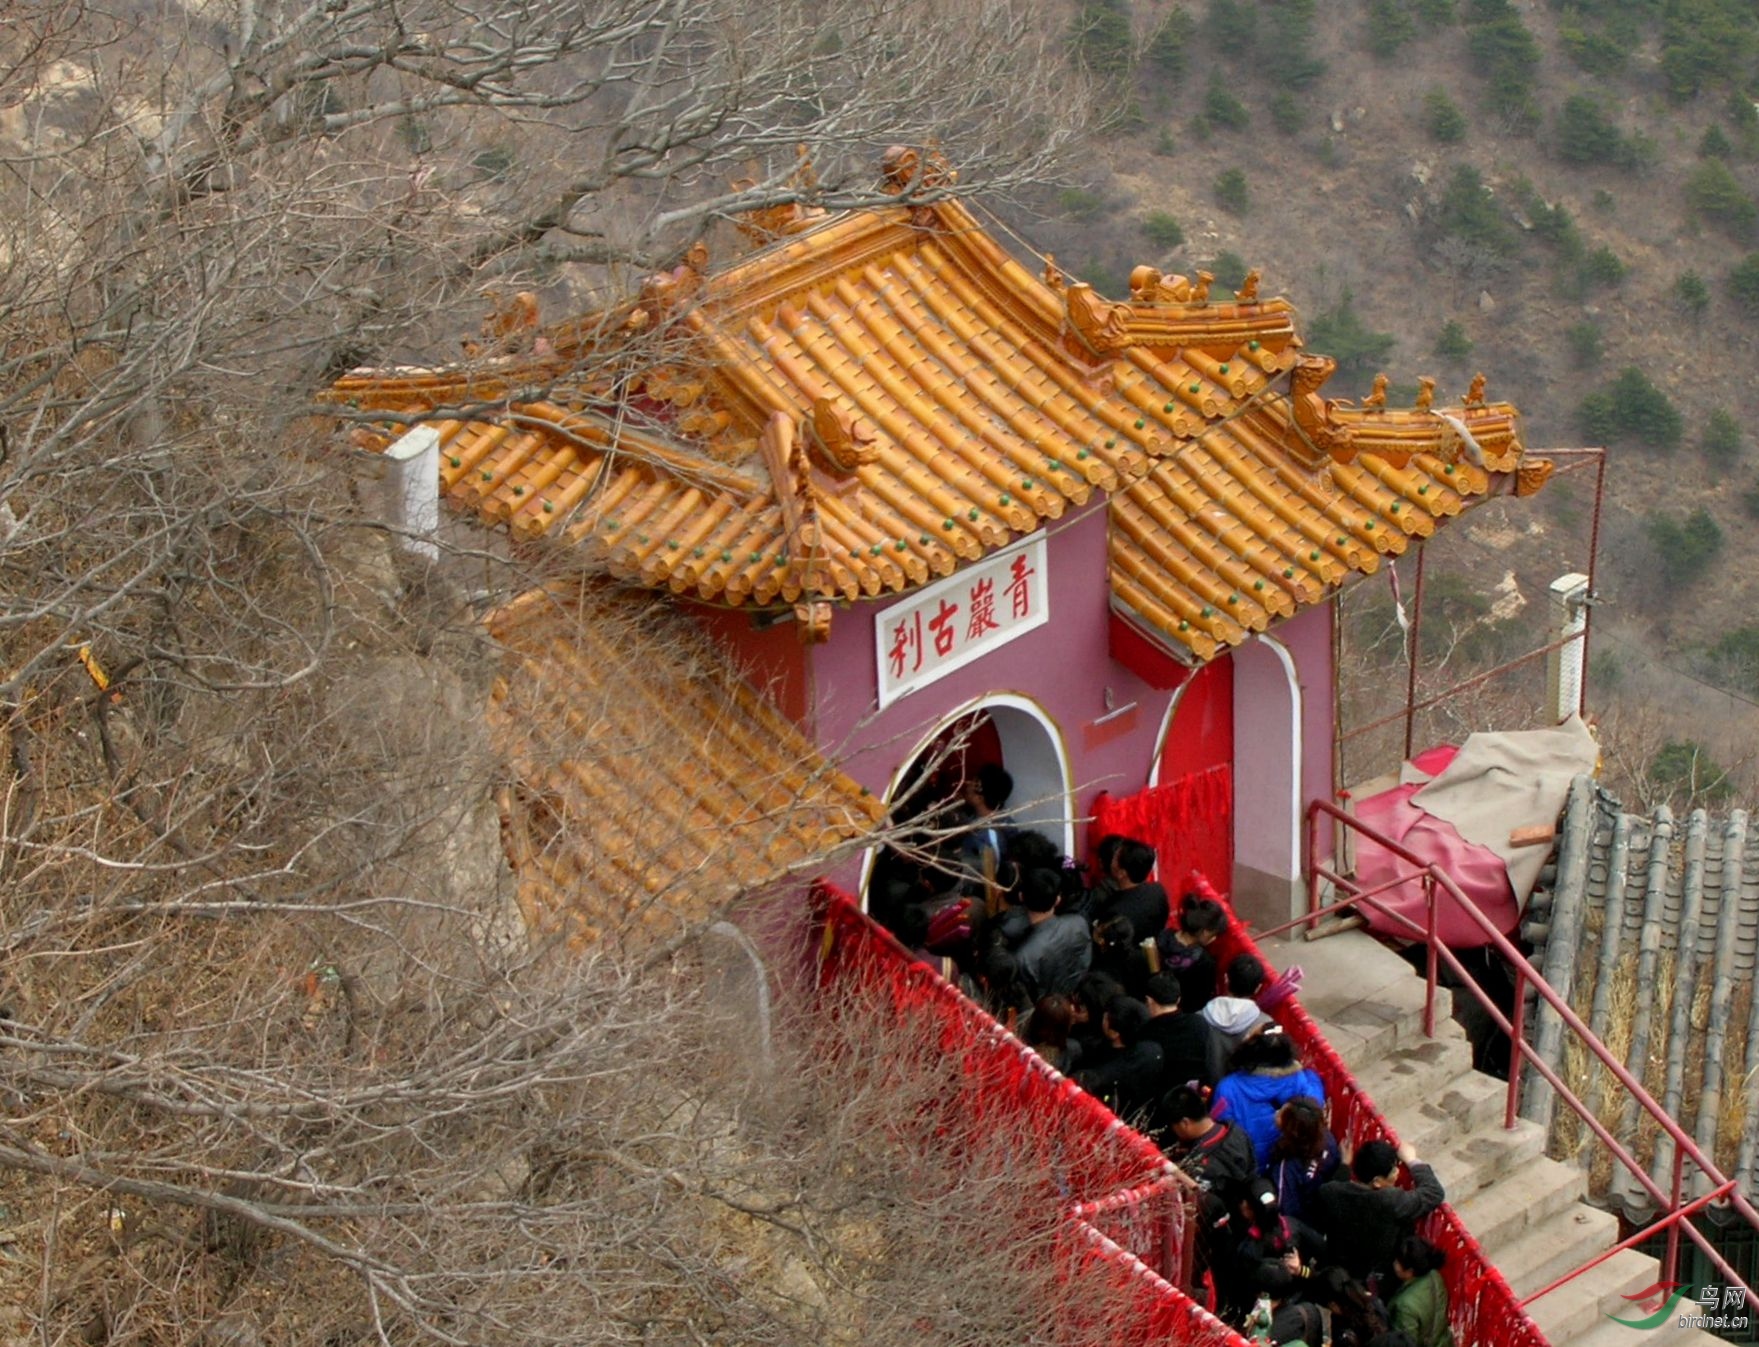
(1601, 179)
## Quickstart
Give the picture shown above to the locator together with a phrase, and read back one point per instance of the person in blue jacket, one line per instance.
(1263, 1076)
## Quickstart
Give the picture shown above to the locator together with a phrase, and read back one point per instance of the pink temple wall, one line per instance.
(1065, 667)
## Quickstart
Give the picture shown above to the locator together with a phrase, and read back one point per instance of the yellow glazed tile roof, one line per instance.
(1259, 516)
(876, 399)
(853, 411)
(648, 784)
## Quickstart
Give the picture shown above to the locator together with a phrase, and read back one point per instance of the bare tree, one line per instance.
(276, 1049)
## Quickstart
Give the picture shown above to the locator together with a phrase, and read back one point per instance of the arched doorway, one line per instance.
(1011, 731)
(1267, 783)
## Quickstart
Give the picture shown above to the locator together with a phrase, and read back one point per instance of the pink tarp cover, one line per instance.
(1478, 870)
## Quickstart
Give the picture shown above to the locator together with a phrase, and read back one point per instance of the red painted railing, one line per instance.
(1125, 1229)
(1483, 1310)
(1128, 1232)
(1439, 886)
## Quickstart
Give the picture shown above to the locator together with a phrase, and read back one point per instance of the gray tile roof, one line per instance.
(1651, 936)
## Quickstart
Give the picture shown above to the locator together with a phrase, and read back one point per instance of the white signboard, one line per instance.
(962, 618)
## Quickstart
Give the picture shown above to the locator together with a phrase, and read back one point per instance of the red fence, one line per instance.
(1482, 1309)
(1124, 1217)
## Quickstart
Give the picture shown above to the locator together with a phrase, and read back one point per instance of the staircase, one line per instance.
(1524, 1209)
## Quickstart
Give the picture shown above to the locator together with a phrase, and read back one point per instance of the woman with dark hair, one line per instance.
(1116, 953)
(1047, 1032)
(1087, 1004)
(1184, 950)
(1263, 1076)
(1357, 1316)
(1419, 1308)
(1304, 1155)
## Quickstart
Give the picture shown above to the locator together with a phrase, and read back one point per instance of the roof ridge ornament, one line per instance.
(1315, 416)
(764, 224)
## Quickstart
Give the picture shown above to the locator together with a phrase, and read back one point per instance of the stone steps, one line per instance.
(1525, 1210)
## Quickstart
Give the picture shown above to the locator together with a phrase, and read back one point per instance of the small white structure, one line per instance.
(1564, 669)
(412, 490)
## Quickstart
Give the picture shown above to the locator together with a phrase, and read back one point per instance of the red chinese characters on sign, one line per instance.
(962, 618)
(945, 627)
(1019, 586)
(983, 610)
(906, 654)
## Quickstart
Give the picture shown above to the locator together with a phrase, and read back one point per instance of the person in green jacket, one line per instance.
(1419, 1308)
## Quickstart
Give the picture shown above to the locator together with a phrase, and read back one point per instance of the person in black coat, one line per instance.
(1135, 897)
(1128, 1076)
(1183, 1039)
(1366, 1216)
(1216, 1160)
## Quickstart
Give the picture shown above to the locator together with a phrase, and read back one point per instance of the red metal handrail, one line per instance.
(1432, 877)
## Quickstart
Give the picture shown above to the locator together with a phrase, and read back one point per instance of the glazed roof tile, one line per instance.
(868, 404)
(651, 785)
(1652, 937)
(1250, 523)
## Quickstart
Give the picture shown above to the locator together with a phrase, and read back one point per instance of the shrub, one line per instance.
(1713, 144)
(1602, 268)
(1507, 55)
(1080, 203)
(1453, 342)
(1683, 547)
(1169, 49)
(1585, 134)
(1286, 113)
(1750, 501)
(1691, 293)
(1468, 211)
(1705, 42)
(1231, 26)
(1586, 344)
(1715, 193)
(1229, 269)
(1232, 193)
(1743, 284)
(1222, 109)
(494, 161)
(1436, 13)
(1721, 438)
(1685, 767)
(1442, 118)
(1101, 37)
(1734, 659)
(1286, 48)
(1162, 229)
(1595, 52)
(1603, 201)
(1631, 408)
(1340, 333)
(1390, 26)
(1165, 144)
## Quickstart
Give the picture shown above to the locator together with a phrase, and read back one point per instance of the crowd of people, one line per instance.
(1102, 976)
